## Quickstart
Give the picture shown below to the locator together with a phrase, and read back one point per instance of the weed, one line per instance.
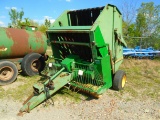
(143, 78)
(143, 81)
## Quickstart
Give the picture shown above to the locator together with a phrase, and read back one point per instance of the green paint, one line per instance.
(59, 82)
(35, 42)
(9, 43)
(81, 44)
(5, 43)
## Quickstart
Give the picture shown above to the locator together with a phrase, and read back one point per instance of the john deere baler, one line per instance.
(87, 52)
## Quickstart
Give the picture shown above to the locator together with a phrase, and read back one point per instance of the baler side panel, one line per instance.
(109, 21)
(104, 60)
(62, 20)
(105, 22)
(119, 42)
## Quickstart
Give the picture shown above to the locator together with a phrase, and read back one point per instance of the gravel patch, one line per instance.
(106, 107)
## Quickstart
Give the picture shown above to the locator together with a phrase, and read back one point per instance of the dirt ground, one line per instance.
(140, 99)
(106, 107)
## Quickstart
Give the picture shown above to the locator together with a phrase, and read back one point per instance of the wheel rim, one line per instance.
(36, 65)
(123, 81)
(6, 73)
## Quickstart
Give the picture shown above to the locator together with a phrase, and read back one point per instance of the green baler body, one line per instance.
(95, 36)
(87, 51)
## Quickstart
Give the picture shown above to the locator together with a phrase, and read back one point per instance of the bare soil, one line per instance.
(140, 100)
(106, 107)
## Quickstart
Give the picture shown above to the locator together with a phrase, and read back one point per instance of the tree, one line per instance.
(151, 13)
(26, 22)
(34, 23)
(47, 23)
(16, 17)
(141, 25)
(130, 38)
(148, 23)
(45, 26)
(128, 9)
(42, 28)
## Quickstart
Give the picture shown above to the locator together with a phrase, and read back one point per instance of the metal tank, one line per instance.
(21, 49)
(15, 43)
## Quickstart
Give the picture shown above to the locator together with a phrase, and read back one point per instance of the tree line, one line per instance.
(141, 27)
(17, 21)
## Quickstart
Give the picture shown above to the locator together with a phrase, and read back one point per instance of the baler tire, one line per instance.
(8, 72)
(119, 80)
(28, 67)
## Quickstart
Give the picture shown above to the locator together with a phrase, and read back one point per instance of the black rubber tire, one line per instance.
(119, 80)
(27, 64)
(8, 72)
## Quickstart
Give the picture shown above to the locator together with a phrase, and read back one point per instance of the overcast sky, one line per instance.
(38, 10)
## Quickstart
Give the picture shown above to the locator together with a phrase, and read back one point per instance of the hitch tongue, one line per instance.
(44, 91)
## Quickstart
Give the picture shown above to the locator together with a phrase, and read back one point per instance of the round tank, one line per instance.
(16, 43)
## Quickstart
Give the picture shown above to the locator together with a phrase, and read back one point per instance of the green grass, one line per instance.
(22, 90)
(66, 95)
(143, 80)
(25, 89)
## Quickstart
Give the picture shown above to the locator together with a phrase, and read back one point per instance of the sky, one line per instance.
(39, 10)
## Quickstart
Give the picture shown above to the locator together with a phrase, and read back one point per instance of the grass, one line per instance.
(49, 50)
(64, 95)
(18, 91)
(25, 89)
(143, 80)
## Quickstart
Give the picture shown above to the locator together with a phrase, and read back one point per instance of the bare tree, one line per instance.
(16, 17)
(128, 9)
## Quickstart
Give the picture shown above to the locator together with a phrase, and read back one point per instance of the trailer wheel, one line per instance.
(119, 80)
(8, 72)
(32, 64)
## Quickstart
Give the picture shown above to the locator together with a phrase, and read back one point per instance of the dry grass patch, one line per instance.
(143, 78)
